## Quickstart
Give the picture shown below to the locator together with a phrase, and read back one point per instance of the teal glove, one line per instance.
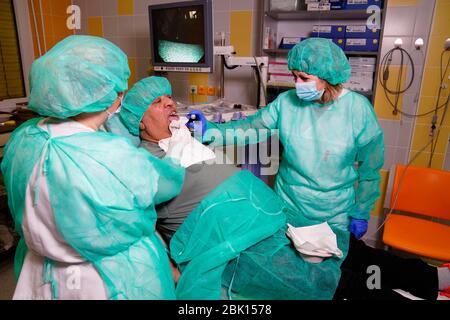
(358, 227)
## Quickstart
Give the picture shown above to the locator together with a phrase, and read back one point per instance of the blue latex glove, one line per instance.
(199, 124)
(358, 227)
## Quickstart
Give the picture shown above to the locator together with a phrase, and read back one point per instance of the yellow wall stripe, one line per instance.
(241, 32)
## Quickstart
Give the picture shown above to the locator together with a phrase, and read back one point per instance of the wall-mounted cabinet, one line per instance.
(347, 28)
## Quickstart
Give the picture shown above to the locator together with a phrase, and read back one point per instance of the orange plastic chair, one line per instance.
(424, 192)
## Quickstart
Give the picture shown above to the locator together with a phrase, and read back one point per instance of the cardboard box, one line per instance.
(282, 78)
(340, 42)
(363, 60)
(362, 4)
(327, 31)
(360, 81)
(279, 68)
(361, 31)
(319, 6)
(289, 42)
(370, 45)
(338, 4)
(363, 67)
(284, 5)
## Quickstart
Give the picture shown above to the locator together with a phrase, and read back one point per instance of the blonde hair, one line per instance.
(331, 92)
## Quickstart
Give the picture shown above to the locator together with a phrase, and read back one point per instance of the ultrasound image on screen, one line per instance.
(179, 35)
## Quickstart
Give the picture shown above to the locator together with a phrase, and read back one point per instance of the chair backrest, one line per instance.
(423, 191)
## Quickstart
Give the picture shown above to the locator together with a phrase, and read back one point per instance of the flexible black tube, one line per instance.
(258, 77)
(226, 65)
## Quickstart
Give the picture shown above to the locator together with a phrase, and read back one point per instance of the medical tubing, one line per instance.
(435, 117)
(258, 66)
(384, 77)
(226, 64)
(435, 140)
(385, 74)
(258, 82)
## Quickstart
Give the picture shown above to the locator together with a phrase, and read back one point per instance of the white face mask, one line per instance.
(110, 115)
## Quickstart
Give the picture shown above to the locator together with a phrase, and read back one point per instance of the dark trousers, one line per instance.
(411, 275)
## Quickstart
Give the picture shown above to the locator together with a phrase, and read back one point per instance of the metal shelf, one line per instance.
(361, 53)
(280, 85)
(319, 15)
(349, 53)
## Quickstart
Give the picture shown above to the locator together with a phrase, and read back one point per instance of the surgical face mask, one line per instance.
(307, 91)
(110, 115)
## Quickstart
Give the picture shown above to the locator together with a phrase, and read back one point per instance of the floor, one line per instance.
(7, 279)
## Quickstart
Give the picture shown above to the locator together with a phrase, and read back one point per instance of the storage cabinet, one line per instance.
(281, 29)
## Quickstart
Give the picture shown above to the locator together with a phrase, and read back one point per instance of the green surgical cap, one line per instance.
(79, 74)
(322, 58)
(139, 98)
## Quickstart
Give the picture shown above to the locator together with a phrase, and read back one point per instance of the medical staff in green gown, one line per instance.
(333, 144)
(83, 200)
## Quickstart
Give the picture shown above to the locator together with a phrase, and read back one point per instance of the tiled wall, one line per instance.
(429, 94)
(48, 23)
(405, 136)
(125, 22)
(408, 20)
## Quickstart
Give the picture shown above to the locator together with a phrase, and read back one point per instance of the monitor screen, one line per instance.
(181, 36)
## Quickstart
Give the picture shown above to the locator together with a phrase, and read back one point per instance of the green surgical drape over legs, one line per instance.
(104, 209)
(236, 239)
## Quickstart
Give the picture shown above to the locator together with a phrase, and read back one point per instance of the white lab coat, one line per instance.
(71, 275)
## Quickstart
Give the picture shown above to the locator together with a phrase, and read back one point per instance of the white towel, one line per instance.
(183, 147)
(315, 242)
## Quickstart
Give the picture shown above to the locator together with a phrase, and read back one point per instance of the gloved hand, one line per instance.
(358, 227)
(199, 124)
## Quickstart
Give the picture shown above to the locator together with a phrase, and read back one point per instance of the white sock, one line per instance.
(444, 278)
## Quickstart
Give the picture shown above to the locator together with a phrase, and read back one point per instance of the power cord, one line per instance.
(226, 64)
(434, 120)
(435, 141)
(260, 83)
(384, 77)
(385, 73)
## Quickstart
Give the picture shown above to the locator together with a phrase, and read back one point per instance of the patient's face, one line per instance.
(155, 123)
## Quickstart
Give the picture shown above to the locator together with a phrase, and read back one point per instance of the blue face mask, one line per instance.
(307, 91)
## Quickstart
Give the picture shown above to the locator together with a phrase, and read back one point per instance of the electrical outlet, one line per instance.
(202, 90)
(193, 90)
(211, 91)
